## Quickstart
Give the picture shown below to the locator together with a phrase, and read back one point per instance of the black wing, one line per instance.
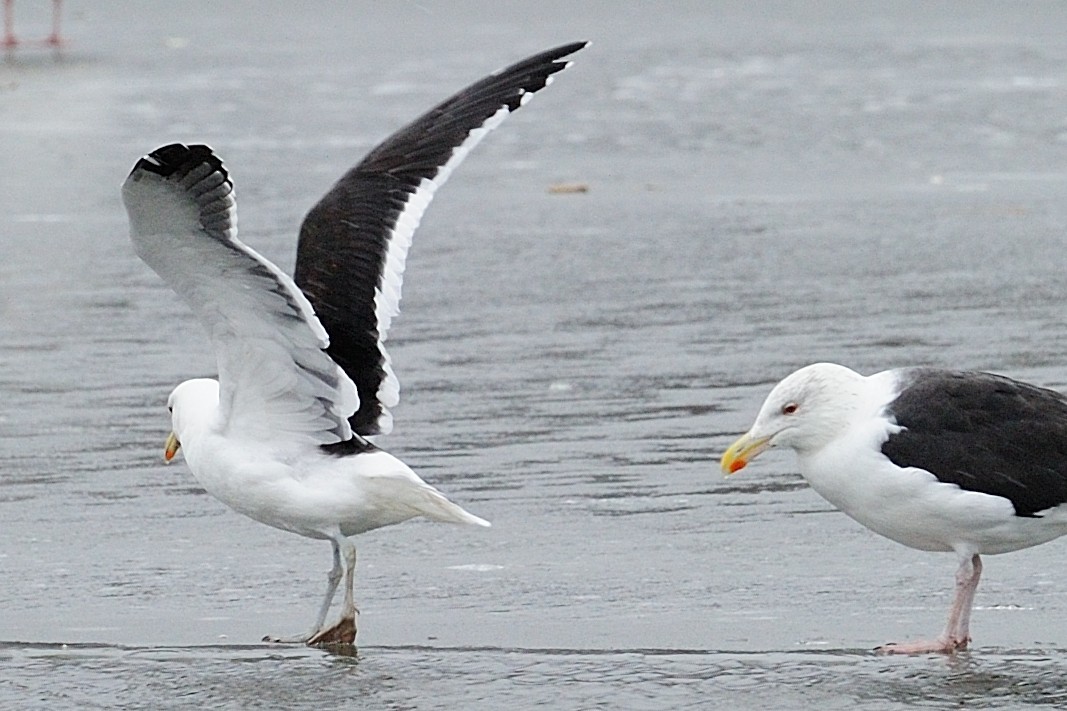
(353, 243)
(984, 433)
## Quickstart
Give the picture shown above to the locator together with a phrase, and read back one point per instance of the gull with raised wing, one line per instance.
(303, 375)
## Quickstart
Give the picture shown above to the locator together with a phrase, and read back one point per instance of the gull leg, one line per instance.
(348, 609)
(55, 39)
(10, 41)
(332, 581)
(333, 578)
(344, 632)
(967, 577)
(957, 629)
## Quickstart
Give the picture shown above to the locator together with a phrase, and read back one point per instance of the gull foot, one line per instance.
(295, 639)
(344, 632)
(937, 646)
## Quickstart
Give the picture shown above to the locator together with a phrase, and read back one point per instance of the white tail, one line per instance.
(438, 508)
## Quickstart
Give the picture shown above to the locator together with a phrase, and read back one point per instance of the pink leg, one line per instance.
(957, 629)
(966, 584)
(10, 42)
(344, 632)
(55, 39)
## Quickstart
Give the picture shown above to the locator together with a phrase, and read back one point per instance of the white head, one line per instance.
(805, 411)
(193, 404)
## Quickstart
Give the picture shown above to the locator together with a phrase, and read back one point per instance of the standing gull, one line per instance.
(304, 377)
(938, 460)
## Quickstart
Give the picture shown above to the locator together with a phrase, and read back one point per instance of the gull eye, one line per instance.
(790, 408)
(170, 409)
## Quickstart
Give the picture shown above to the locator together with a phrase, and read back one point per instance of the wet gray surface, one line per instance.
(770, 185)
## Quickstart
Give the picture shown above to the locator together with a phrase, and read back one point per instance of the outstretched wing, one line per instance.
(353, 243)
(276, 381)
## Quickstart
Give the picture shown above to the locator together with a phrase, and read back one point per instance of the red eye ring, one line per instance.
(790, 408)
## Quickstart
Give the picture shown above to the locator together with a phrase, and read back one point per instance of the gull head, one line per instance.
(805, 411)
(193, 405)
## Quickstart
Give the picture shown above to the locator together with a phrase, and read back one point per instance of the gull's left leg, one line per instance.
(970, 571)
(957, 629)
(344, 632)
(55, 39)
(10, 41)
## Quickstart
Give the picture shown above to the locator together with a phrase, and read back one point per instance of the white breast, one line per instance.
(910, 505)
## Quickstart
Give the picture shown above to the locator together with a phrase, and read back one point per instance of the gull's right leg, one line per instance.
(333, 579)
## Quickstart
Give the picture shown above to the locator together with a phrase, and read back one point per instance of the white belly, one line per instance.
(312, 495)
(912, 507)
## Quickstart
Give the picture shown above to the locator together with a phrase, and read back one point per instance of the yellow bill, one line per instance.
(741, 452)
(171, 447)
